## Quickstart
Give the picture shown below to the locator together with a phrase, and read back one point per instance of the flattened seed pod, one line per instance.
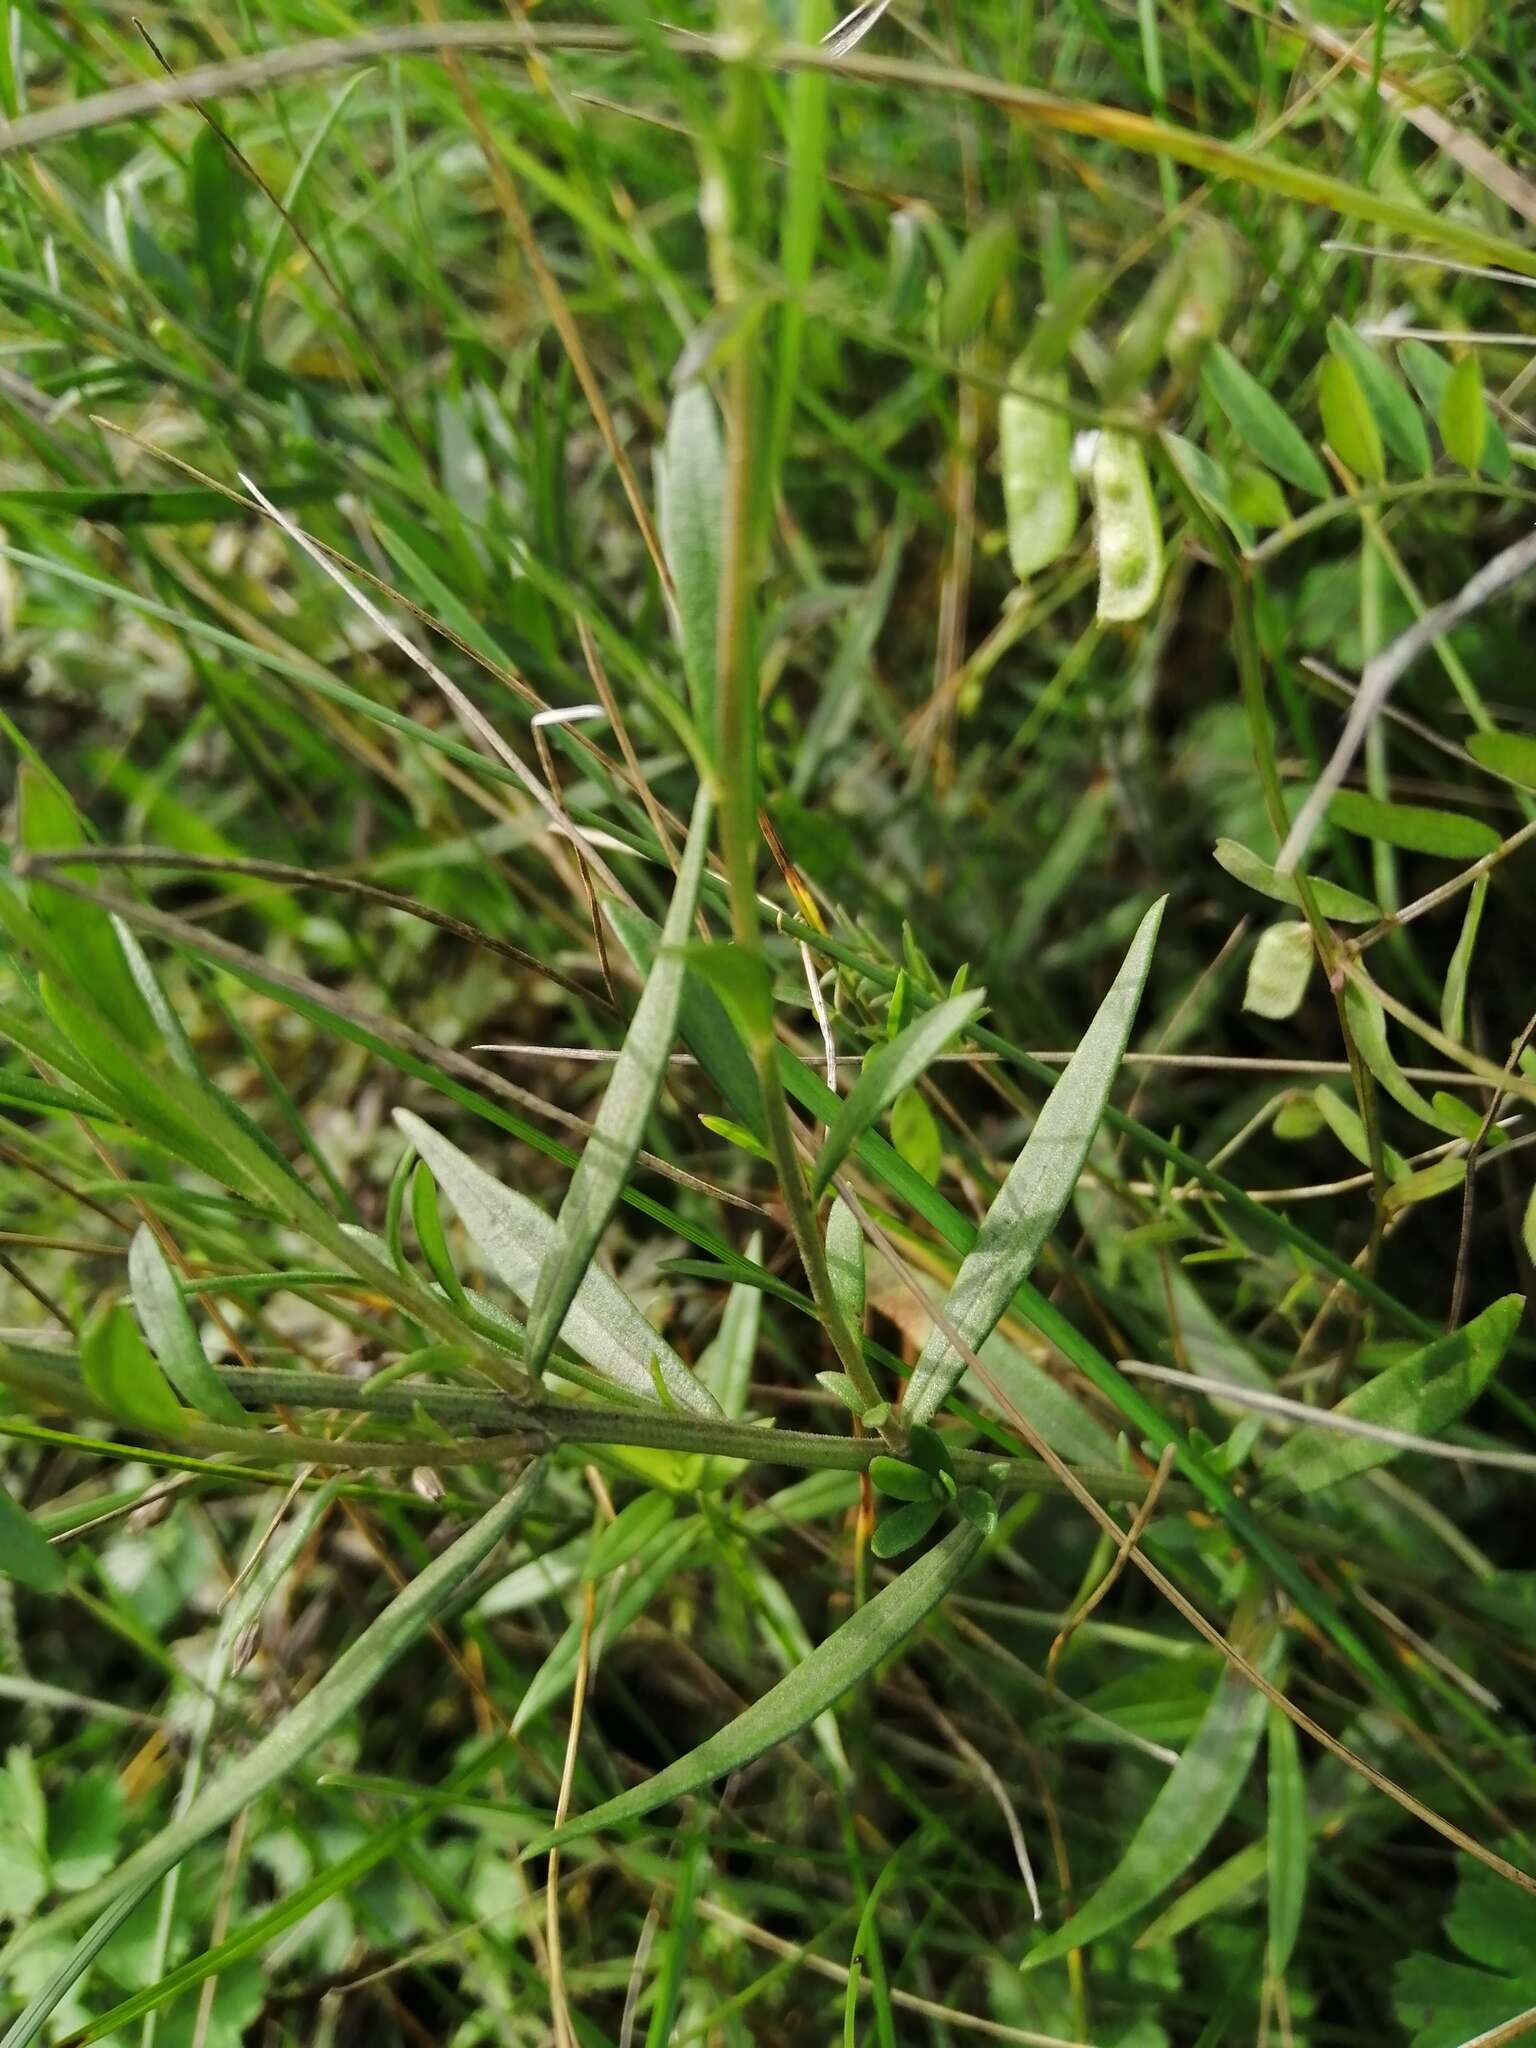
(1039, 489)
(1128, 530)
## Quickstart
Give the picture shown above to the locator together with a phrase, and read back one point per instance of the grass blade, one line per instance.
(171, 1336)
(1419, 1397)
(831, 1669)
(614, 1143)
(887, 1071)
(1195, 1799)
(345, 1685)
(516, 1238)
(692, 522)
(1039, 1185)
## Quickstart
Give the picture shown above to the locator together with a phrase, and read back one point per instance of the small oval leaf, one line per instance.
(1348, 420)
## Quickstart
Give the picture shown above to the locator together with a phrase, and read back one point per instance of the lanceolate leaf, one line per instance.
(1430, 376)
(1453, 996)
(25, 1553)
(1419, 829)
(82, 932)
(1039, 1185)
(614, 1143)
(1286, 1840)
(887, 1071)
(1420, 1397)
(241, 1782)
(1197, 1797)
(1510, 754)
(834, 1666)
(1261, 423)
(1368, 1023)
(171, 1334)
(1348, 420)
(726, 1367)
(603, 1326)
(120, 1371)
(1400, 421)
(692, 525)
(1342, 904)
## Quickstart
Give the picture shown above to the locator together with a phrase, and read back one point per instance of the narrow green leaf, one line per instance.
(1344, 1122)
(888, 1070)
(1430, 376)
(120, 1372)
(779, 1624)
(659, 1560)
(171, 1334)
(1461, 1117)
(1034, 439)
(194, 1122)
(736, 1134)
(1208, 480)
(1257, 497)
(613, 1144)
(1262, 425)
(48, 823)
(1528, 1227)
(1143, 338)
(1453, 996)
(845, 1264)
(1332, 901)
(1216, 1892)
(1510, 754)
(1348, 420)
(1425, 1184)
(741, 981)
(1038, 1186)
(833, 1667)
(26, 1555)
(426, 1219)
(1128, 531)
(916, 1135)
(515, 1237)
(1413, 826)
(726, 1367)
(839, 1385)
(1463, 415)
(631, 1531)
(1398, 418)
(1368, 1024)
(1196, 1798)
(903, 1527)
(692, 523)
(983, 264)
(1419, 1396)
(1285, 1840)
(1279, 970)
(241, 1782)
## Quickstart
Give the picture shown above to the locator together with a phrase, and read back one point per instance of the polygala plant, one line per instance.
(765, 1071)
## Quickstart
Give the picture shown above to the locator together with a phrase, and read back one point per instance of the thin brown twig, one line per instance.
(1127, 1543)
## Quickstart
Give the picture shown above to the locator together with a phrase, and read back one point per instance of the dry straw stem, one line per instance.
(1138, 132)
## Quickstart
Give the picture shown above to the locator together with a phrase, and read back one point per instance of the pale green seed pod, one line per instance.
(1039, 489)
(1127, 528)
